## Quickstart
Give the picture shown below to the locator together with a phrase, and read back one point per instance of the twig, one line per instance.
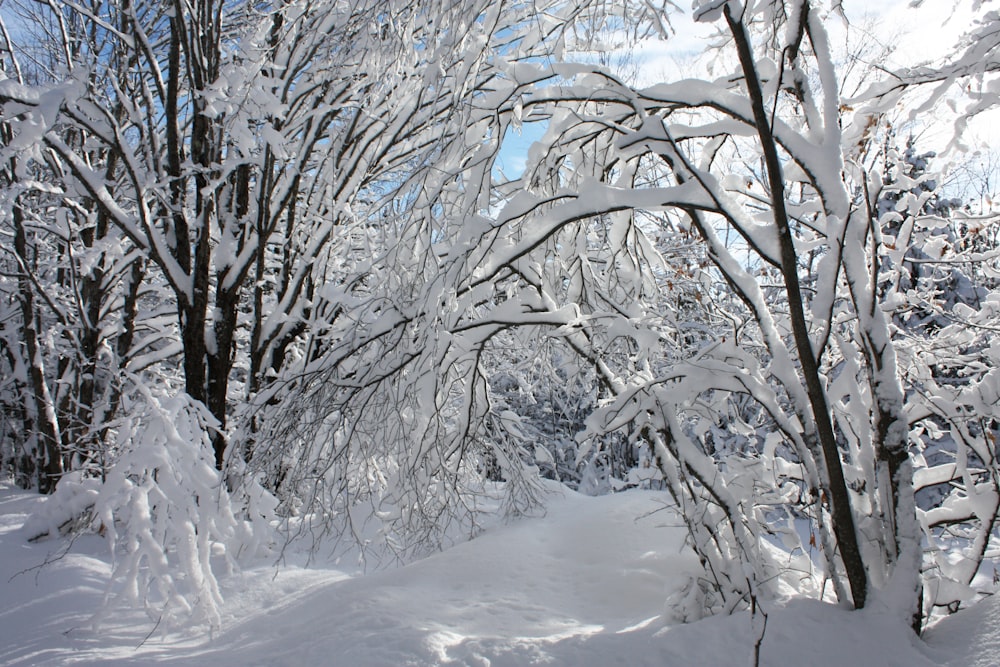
(151, 632)
(48, 561)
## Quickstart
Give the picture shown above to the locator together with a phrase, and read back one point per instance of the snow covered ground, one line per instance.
(585, 585)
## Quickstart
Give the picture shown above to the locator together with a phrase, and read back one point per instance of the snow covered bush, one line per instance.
(68, 510)
(168, 516)
(172, 527)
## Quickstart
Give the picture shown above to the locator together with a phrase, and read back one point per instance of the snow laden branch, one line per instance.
(389, 413)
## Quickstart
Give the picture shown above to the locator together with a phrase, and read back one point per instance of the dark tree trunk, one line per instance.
(49, 464)
(840, 502)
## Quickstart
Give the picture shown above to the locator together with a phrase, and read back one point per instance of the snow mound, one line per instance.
(970, 638)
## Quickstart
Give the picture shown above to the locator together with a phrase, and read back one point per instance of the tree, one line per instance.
(214, 163)
(68, 262)
(390, 405)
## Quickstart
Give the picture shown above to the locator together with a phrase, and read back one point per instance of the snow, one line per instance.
(974, 633)
(583, 585)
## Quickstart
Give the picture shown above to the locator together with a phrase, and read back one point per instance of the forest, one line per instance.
(372, 272)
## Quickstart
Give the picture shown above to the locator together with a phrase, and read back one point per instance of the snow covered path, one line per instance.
(583, 586)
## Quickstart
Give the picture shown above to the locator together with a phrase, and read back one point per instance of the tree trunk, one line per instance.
(46, 425)
(840, 502)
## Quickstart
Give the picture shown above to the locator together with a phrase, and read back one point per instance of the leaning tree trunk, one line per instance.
(840, 501)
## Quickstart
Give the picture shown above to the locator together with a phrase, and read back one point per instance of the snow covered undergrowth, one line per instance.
(585, 585)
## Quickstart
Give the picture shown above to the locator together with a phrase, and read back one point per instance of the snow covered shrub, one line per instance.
(171, 523)
(69, 509)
